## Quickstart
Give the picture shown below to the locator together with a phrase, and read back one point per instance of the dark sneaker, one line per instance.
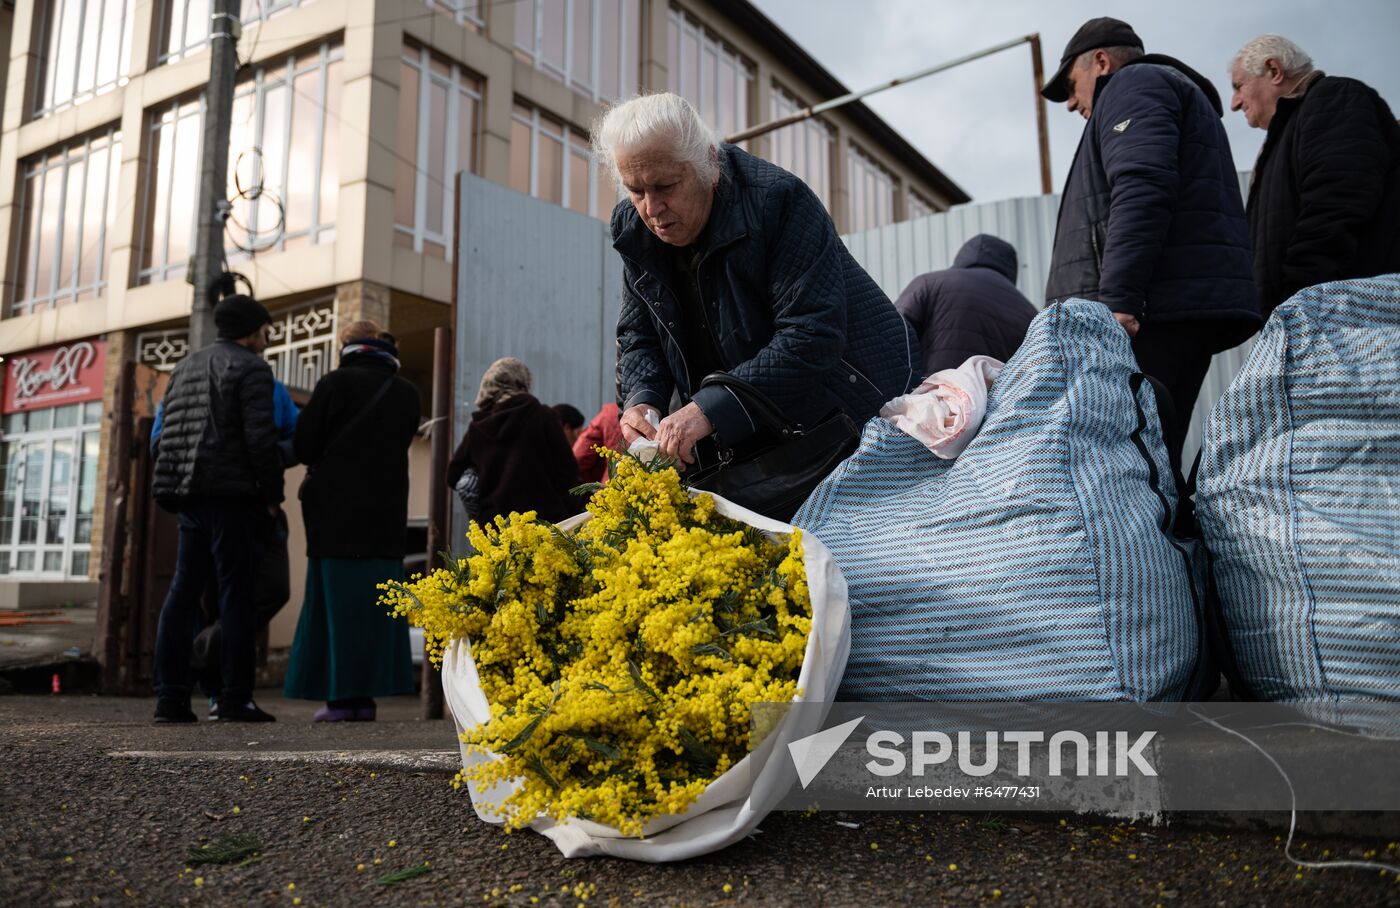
(248, 712)
(213, 709)
(174, 712)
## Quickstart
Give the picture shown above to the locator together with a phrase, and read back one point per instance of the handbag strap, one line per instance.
(755, 401)
(358, 417)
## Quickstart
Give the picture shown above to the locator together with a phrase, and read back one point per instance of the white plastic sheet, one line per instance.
(731, 806)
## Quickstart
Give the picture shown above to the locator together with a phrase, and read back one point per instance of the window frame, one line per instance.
(462, 82)
(629, 44)
(25, 273)
(50, 15)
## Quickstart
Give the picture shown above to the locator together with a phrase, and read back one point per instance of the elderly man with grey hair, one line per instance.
(1324, 203)
(732, 265)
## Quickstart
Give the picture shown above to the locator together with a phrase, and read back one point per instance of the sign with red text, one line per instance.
(66, 374)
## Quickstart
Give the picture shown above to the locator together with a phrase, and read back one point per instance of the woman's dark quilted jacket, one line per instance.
(1151, 222)
(219, 438)
(793, 313)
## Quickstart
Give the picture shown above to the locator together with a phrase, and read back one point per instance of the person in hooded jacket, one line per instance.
(517, 447)
(970, 309)
(354, 436)
(1151, 221)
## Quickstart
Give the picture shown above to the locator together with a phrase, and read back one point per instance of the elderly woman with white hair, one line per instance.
(1324, 203)
(733, 266)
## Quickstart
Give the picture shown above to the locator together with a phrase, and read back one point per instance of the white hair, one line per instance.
(1291, 57)
(647, 119)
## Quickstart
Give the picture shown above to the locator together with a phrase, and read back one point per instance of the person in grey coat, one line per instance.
(970, 309)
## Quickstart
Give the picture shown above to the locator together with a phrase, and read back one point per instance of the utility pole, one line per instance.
(212, 208)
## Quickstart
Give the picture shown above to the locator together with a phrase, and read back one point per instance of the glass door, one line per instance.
(48, 490)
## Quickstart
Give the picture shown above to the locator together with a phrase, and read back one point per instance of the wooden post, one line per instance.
(440, 433)
(1041, 120)
(112, 606)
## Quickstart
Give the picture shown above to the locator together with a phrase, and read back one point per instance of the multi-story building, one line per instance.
(350, 119)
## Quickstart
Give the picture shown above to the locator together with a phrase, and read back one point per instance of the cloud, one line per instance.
(977, 122)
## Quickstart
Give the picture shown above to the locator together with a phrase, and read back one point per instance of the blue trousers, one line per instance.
(219, 541)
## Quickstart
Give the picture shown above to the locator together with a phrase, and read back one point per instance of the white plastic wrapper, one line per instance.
(645, 449)
(732, 805)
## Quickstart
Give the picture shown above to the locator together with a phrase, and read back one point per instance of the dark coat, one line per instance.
(1151, 222)
(970, 309)
(218, 438)
(354, 499)
(793, 314)
(1324, 204)
(518, 449)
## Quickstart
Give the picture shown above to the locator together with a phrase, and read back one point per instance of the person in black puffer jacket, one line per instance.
(970, 309)
(1324, 201)
(1151, 222)
(218, 468)
(731, 264)
(354, 437)
(518, 448)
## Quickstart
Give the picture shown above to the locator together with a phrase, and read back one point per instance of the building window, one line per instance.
(919, 207)
(594, 46)
(802, 148)
(438, 135)
(871, 190)
(551, 161)
(467, 12)
(67, 202)
(184, 24)
(172, 171)
(284, 170)
(48, 487)
(84, 50)
(708, 74)
(302, 347)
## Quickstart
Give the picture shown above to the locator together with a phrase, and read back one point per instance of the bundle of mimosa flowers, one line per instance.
(619, 659)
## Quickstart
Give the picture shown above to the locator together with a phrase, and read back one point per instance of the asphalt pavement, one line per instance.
(98, 806)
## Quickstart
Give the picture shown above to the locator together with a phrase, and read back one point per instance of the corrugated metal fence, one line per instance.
(896, 254)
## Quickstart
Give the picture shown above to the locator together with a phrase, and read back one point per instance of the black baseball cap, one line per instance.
(1102, 32)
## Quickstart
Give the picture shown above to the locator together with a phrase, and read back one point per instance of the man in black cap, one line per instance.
(1151, 223)
(218, 468)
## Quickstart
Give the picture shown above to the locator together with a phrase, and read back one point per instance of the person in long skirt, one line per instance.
(354, 437)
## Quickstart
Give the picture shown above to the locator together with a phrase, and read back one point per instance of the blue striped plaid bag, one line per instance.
(1038, 564)
(1299, 498)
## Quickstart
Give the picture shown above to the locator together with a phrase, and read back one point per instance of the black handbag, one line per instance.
(775, 474)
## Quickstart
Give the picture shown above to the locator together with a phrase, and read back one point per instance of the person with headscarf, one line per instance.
(354, 437)
(517, 447)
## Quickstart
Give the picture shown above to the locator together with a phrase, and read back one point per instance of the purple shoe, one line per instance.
(364, 713)
(330, 713)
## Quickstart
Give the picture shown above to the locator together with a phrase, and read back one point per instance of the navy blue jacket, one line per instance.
(792, 312)
(971, 309)
(1151, 222)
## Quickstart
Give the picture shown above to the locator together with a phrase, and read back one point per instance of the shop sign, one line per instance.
(54, 376)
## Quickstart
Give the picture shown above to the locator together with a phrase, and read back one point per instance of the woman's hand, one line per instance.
(635, 425)
(680, 431)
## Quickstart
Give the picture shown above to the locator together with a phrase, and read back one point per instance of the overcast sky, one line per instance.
(977, 122)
